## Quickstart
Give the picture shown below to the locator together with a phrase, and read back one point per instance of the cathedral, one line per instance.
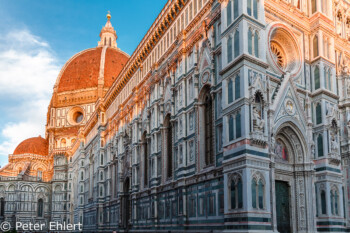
(230, 116)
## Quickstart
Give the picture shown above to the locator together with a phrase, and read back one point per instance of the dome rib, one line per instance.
(83, 69)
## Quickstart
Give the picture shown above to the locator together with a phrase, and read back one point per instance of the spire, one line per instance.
(108, 35)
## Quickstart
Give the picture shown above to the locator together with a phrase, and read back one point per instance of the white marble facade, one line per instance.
(235, 122)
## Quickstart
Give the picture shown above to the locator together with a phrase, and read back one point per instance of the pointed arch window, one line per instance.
(261, 195)
(318, 114)
(317, 198)
(101, 191)
(334, 202)
(230, 91)
(238, 125)
(229, 49)
(236, 40)
(234, 125)
(2, 207)
(169, 143)
(258, 193)
(231, 128)
(323, 202)
(237, 87)
(250, 41)
(255, 8)
(237, 194)
(249, 7)
(256, 44)
(329, 80)
(101, 175)
(320, 145)
(101, 159)
(254, 193)
(317, 78)
(208, 120)
(313, 6)
(229, 13)
(40, 207)
(315, 46)
(235, 9)
(146, 159)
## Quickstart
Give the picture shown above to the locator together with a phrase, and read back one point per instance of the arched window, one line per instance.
(249, 7)
(317, 78)
(258, 194)
(236, 40)
(63, 142)
(101, 191)
(39, 174)
(250, 41)
(261, 195)
(236, 194)
(235, 9)
(318, 114)
(256, 44)
(320, 145)
(40, 207)
(254, 193)
(255, 8)
(230, 91)
(238, 125)
(101, 159)
(329, 79)
(233, 195)
(169, 144)
(2, 207)
(231, 128)
(323, 202)
(334, 202)
(145, 153)
(229, 49)
(208, 119)
(81, 188)
(237, 87)
(315, 46)
(229, 12)
(313, 6)
(82, 176)
(317, 198)
(101, 175)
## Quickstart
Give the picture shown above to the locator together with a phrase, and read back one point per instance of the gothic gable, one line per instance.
(289, 107)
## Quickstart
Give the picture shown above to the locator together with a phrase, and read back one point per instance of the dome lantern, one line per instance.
(108, 35)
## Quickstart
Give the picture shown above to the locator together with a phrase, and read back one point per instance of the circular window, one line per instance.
(75, 116)
(284, 54)
(278, 55)
(78, 117)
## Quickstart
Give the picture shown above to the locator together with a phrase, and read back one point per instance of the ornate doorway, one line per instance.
(293, 180)
(126, 204)
(282, 207)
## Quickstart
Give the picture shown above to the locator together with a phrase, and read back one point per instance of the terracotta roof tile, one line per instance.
(37, 145)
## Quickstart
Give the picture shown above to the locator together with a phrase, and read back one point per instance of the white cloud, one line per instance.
(28, 70)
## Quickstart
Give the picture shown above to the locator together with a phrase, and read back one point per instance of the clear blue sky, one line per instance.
(73, 25)
(38, 37)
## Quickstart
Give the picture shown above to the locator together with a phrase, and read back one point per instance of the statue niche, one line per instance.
(258, 117)
(258, 121)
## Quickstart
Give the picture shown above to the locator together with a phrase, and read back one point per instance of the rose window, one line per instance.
(278, 55)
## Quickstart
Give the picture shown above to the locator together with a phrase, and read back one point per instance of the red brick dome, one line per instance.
(83, 70)
(36, 145)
